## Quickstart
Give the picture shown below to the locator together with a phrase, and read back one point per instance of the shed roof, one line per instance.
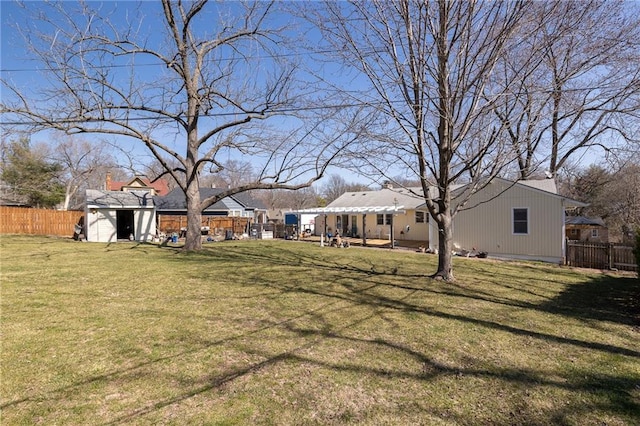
(97, 198)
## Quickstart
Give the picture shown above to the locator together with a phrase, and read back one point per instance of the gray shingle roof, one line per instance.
(176, 200)
(97, 198)
(581, 220)
(408, 198)
(248, 201)
(548, 185)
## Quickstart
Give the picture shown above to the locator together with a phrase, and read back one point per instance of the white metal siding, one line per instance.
(100, 225)
(488, 225)
(144, 225)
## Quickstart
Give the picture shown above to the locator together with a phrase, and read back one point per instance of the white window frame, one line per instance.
(513, 221)
(423, 219)
(594, 233)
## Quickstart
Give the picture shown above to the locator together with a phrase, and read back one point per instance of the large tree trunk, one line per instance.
(194, 217)
(445, 246)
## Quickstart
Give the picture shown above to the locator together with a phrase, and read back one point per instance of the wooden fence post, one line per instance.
(610, 256)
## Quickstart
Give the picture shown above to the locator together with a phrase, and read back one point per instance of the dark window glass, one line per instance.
(520, 221)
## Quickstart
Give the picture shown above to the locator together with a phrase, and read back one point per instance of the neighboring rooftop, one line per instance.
(176, 200)
(158, 187)
(584, 221)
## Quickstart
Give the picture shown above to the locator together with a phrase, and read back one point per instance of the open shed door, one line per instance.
(124, 224)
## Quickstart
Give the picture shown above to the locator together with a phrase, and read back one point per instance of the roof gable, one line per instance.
(161, 186)
(248, 201)
(542, 186)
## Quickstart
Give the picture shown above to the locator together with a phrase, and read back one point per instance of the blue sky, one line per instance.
(24, 73)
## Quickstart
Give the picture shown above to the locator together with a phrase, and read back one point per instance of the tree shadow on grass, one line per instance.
(612, 393)
(577, 300)
(604, 298)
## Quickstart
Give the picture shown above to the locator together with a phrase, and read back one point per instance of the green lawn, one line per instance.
(276, 332)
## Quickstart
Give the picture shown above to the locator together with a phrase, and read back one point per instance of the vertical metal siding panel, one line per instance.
(488, 226)
(108, 223)
(146, 219)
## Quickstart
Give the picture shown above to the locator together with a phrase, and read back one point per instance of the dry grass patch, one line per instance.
(290, 333)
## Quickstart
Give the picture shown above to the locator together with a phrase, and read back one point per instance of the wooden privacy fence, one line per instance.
(600, 256)
(169, 223)
(24, 220)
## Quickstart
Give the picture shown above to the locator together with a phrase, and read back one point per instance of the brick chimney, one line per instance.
(108, 182)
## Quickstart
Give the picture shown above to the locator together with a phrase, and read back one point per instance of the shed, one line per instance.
(117, 215)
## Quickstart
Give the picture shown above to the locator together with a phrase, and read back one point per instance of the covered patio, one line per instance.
(357, 215)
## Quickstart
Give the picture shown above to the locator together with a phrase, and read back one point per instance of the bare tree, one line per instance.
(233, 174)
(429, 67)
(576, 86)
(84, 165)
(335, 185)
(190, 90)
(610, 195)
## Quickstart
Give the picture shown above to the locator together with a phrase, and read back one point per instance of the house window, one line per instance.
(521, 221)
(421, 217)
(594, 233)
(573, 231)
(383, 219)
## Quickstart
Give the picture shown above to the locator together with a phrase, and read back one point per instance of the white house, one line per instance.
(376, 215)
(523, 219)
(118, 215)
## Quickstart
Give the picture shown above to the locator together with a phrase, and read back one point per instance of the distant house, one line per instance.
(580, 228)
(523, 219)
(238, 205)
(119, 215)
(376, 215)
(138, 183)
